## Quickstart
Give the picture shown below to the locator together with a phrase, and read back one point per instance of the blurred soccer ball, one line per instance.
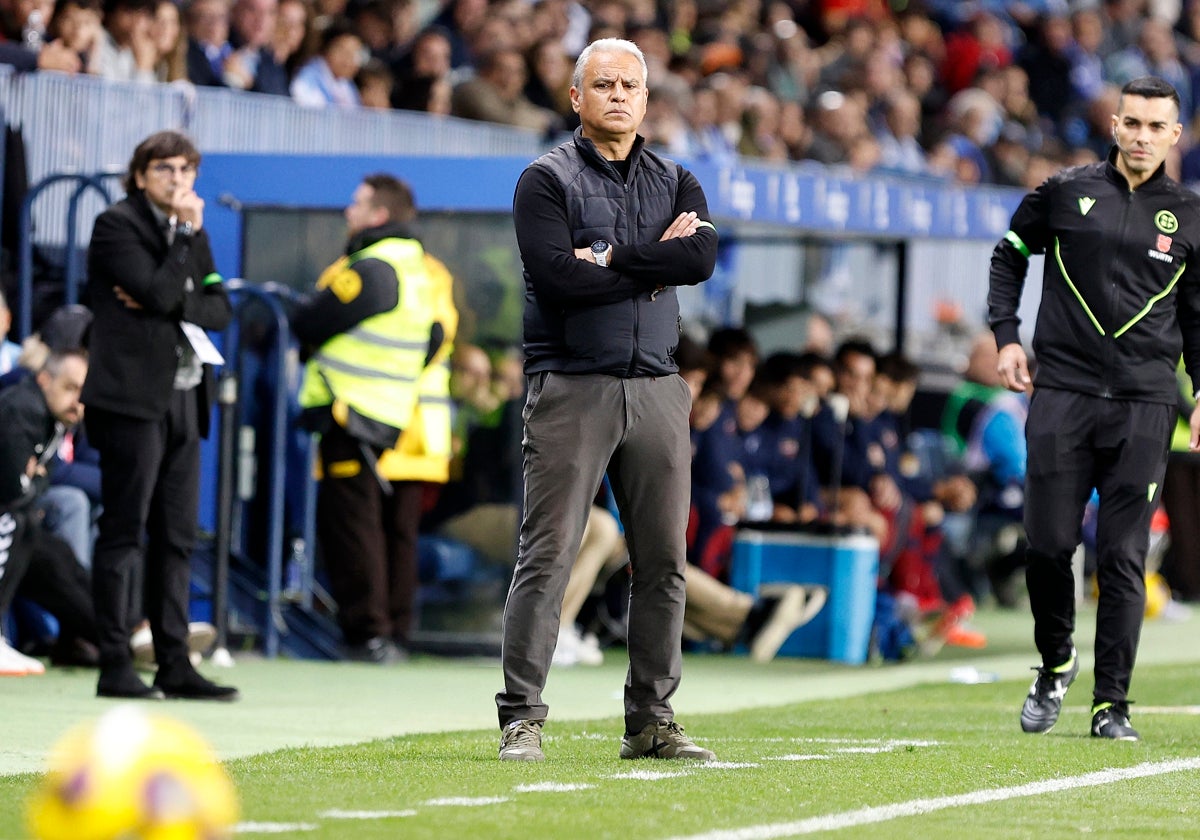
(134, 776)
(1158, 594)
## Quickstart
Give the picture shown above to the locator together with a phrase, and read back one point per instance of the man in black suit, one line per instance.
(154, 291)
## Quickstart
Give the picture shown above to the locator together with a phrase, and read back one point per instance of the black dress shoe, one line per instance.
(187, 684)
(123, 683)
(74, 652)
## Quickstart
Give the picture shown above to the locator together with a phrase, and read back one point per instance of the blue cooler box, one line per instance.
(847, 566)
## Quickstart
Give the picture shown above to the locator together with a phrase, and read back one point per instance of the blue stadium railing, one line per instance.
(270, 296)
(71, 271)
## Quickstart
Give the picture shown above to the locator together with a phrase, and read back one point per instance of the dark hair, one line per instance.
(61, 6)
(339, 27)
(158, 146)
(897, 367)
(729, 342)
(810, 361)
(67, 328)
(111, 6)
(851, 347)
(1151, 87)
(779, 367)
(374, 70)
(393, 195)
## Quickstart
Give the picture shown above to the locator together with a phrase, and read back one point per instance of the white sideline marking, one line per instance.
(889, 743)
(467, 801)
(272, 828)
(727, 765)
(798, 757)
(366, 815)
(552, 787)
(649, 775)
(916, 807)
(1168, 710)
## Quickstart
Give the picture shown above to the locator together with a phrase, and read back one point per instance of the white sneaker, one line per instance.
(201, 635)
(566, 652)
(589, 650)
(13, 663)
(794, 607)
(141, 643)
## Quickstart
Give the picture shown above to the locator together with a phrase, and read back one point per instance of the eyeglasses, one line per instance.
(166, 170)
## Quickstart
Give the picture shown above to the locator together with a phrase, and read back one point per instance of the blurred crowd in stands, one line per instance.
(979, 91)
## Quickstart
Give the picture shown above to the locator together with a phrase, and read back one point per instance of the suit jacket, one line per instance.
(200, 71)
(133, 353)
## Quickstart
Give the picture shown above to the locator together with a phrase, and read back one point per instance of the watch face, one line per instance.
(599, 246)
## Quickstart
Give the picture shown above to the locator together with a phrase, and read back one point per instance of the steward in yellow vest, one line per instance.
(374, 310)
(373, 332)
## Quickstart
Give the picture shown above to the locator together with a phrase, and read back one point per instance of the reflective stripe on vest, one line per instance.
(374, 367)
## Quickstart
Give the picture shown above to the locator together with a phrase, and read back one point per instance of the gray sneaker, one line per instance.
(521, 740)
(663, 739)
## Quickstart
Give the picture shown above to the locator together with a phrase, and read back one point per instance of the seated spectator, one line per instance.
(704, 139)
(170, 42)
(427, 62)
(23, 42)
(374, 83)
(459, 20)
(78, 25)
(375, 22)
(208, 49)
(127, 51)
(718, 477)
(1155, 54)
(754, 453)
(34, 413)
(852, 453)
(294, 35)
(982, 45)
(69, 505)
(549, 80)
(786, 436)
(837, 121)
(496, 94)
(899, 150)
(253, 64)
(327, 80)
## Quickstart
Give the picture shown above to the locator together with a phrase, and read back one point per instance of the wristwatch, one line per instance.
(601, 250)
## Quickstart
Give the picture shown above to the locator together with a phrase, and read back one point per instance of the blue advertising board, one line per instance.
(811, 199)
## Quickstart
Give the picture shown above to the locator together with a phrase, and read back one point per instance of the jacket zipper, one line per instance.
(637, 301)
(1110, 343)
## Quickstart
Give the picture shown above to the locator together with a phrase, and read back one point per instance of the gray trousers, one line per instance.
(576, 429)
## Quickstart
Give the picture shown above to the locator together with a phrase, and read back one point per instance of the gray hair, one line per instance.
(617, 45)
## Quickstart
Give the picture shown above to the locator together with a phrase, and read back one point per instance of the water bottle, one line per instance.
(293, 572)
(759, 506)
(34, 33)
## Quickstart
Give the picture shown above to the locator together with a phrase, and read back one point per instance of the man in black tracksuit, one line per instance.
(1120, 302)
